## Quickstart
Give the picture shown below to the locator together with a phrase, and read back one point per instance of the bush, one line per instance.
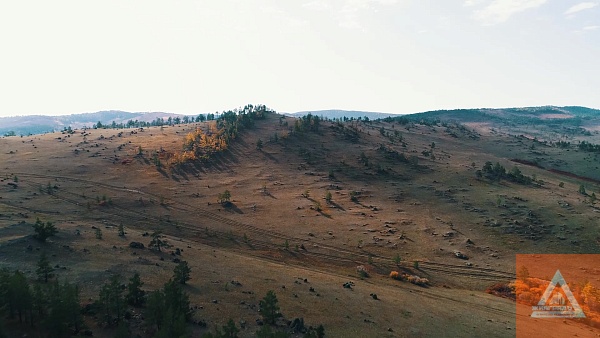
(225, 197)
(98, 233)
(414, 279)
(328, 197)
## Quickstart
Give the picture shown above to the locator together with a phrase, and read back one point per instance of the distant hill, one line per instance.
(38, 124)
(546, 114)
(550, 115)
(335, 114)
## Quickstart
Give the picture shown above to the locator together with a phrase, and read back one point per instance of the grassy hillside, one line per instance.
(309, 202)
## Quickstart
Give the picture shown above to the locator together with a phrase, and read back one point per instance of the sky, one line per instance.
(397, 56)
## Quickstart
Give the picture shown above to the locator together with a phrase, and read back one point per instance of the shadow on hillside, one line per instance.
(337, 206)
(233, 208)
(162, 172)
(269, 156)
(267, 193)
(142, 159)
(221, 162)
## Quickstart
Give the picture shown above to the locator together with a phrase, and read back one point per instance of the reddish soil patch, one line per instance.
(525, 162)
(556, 171)
(566, 173)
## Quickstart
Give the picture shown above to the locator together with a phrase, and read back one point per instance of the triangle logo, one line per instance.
(557, 304)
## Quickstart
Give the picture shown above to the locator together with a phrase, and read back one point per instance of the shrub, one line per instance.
(414, 279)
(328, 197)
(362, 271)
(225, 197)
(98, 233)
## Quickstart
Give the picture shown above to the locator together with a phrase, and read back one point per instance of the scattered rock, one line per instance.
(136, 245)
(460, 255)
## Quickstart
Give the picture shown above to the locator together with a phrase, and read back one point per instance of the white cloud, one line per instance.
(580, 7)
(501, 10)
(347, 12)
(471, 3)
(317, 5)
(590, 28)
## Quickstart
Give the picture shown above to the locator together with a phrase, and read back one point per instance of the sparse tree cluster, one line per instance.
(497, 172)
(589, 147)
(308, 122)
(204, 144)
(53, 309)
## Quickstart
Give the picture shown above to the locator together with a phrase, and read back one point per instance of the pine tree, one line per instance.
(20, 299)
(181, 274)
(4, 284)
(155, 305)
(44, 270)
(40, 302)
(43, 231)
(122, 330)
(112, 300)
(267, 332)
(178, 300)
(269, 308)
(135, 295)
(230, 330)
(2, 331)
(156, 241)
(55, 323)
(70, 299)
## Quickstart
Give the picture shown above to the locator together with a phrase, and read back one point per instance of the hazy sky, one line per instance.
(399, 56)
